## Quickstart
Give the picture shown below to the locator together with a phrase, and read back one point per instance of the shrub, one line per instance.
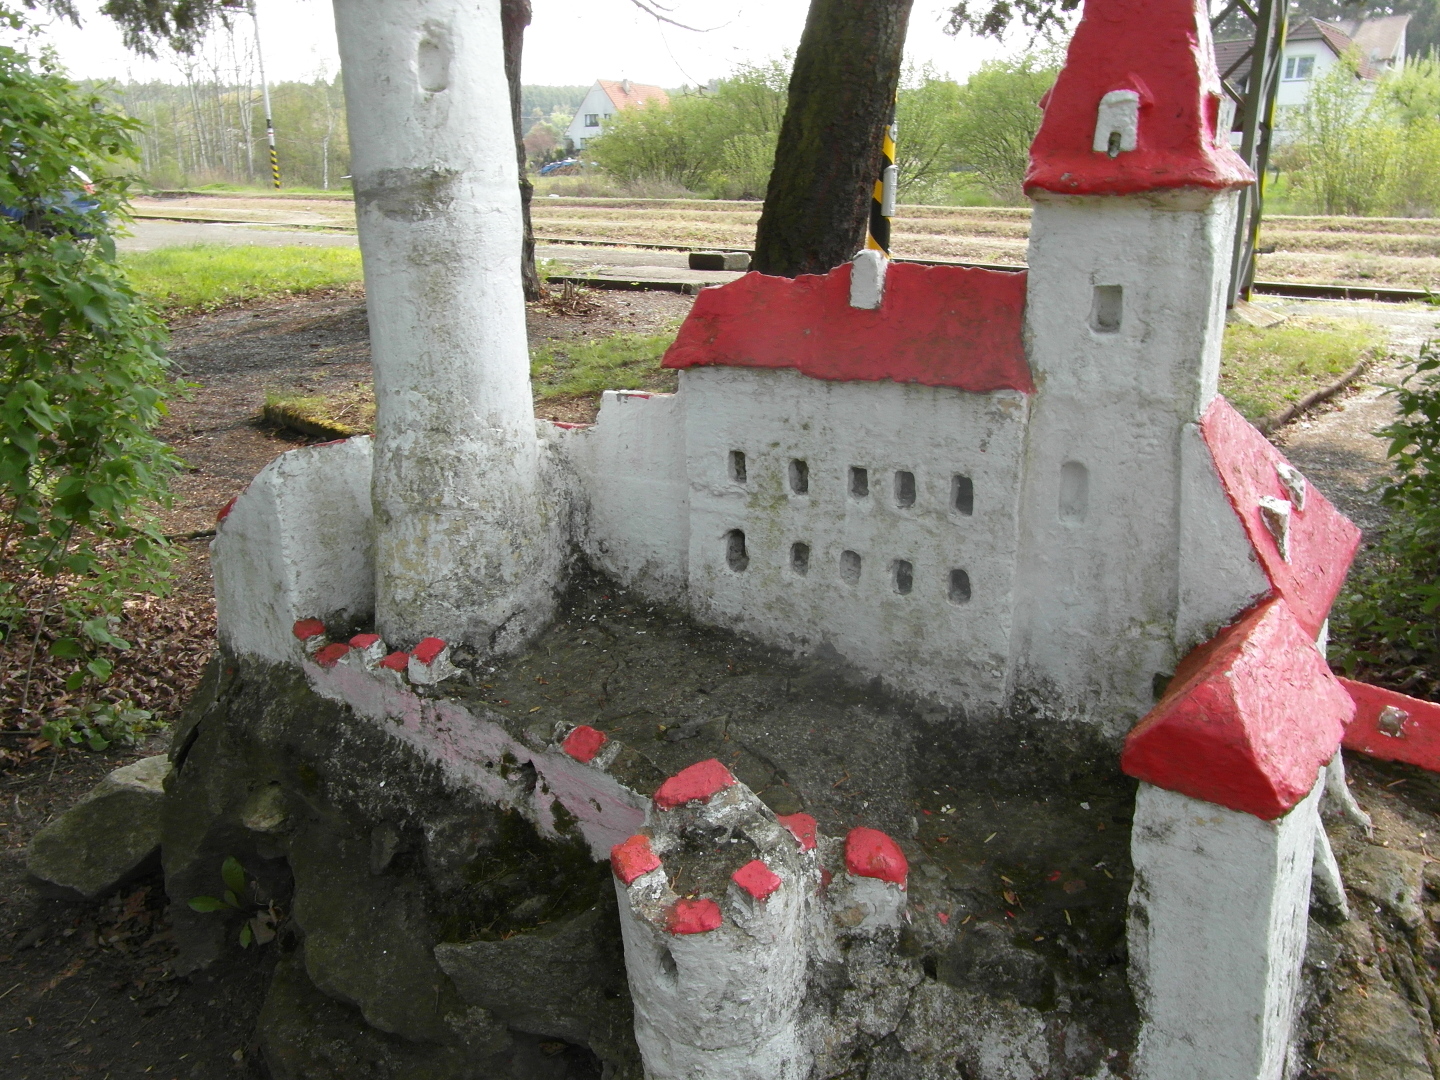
(1387, 622)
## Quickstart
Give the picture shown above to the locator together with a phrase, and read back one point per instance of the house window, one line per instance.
(592, 119)
(1298, 68)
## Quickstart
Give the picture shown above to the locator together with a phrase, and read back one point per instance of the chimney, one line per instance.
(625, 87)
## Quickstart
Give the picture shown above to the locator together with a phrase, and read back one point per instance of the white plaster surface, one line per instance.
(725, 1003)
(867, 279)
(919, 642)
(1097, 601)
(297, 544)
(467, 547)
(1220, 574)
(636, 514)
(1218, 919)
(1119, 114)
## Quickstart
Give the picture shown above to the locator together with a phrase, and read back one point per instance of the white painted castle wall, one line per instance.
(1218, 919)
(631, 463)
(1100, 525)
(1220, 574)
(297, 544)
(921, 642)
(467, 547)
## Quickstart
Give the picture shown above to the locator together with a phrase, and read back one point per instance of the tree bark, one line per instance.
(847, 70)
(514, 17)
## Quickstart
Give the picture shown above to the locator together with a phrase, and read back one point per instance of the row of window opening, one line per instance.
(962, 488)
(902, 571)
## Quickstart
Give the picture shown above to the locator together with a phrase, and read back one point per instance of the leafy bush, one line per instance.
(83, 373)
(1387, 621)
(996, 120)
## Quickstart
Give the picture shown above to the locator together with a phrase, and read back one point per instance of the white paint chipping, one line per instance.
(1217, 933)
(467, 547)
(296, 544)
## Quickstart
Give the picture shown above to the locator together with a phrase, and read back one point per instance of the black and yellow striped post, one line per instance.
(882, 195)
(274, 157)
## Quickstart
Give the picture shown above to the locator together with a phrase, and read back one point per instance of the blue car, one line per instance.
(70, 212)
(564, 167)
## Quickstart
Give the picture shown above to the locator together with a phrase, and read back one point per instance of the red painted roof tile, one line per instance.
(757, 879)
(396, 661)
(364, 641)
(1322, 540)
(937, 325)
(1248, 720)
(1160, 49)
(694, 784)
(1409, 733)
(693, 916)
(584, 743)
(330, 655)
(870, 853)
(633, 858)
(428, 649)
(305, 629)
(803, 828)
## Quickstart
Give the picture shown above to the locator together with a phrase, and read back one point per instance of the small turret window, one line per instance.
(1117, 123)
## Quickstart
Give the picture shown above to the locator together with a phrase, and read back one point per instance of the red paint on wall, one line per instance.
(305, 629)
(937, 325)
(1418, 738)
(693, 916)
(1160, 49)
(363, 641)
(1322, 540)
(428, 649)
(397, 661)
(695, 784)
(802, 827)
(1248, 720)
(757, 879)
(584, 743)
(633, 858)
(225, 512)
(871, 853)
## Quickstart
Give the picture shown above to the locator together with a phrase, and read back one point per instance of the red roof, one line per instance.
(936, 325)
(1322, 541)
(625, 94)
(1249, 718)
(1160, 50)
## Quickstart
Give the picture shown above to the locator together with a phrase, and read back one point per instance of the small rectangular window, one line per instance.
(1106, 310)
(799, 477)
(962, 495)
(859, 482)
(1304, 67)
(903, 571)
(1290, 68)
(592, 119)
(737, 466)
(800, 558)
(904, 489)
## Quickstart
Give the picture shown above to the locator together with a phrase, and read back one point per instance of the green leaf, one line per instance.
(232, 900)
(234, 874)
(206, 903)
(96, 741)
(100, 668)
(246, 936)
(66, 648)
(75, 680)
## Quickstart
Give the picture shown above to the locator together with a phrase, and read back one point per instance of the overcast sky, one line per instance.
(570, 42)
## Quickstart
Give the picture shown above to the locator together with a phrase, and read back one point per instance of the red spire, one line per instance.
(1140, 84)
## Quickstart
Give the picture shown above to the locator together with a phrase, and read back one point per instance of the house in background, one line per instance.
(604, 100)
(1313, 46)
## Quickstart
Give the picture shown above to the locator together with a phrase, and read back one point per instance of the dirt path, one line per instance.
(1337, 447)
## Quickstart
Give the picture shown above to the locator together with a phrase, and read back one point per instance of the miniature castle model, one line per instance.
(983, 488)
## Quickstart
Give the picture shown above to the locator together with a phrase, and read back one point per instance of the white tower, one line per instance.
(1134, 193)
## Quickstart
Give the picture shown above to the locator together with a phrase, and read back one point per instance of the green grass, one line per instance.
(618, 362)
(1262, 371)
(207, 276)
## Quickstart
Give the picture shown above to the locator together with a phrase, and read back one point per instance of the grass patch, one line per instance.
(337, 416)
(202, 277)
(1262, 371)
(617, 362)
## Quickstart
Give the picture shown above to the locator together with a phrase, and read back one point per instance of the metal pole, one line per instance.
(1255, 108)
(265, 95)
(882, 195)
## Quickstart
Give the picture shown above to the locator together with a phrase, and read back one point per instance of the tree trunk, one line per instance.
(846, 73)
(514, 17)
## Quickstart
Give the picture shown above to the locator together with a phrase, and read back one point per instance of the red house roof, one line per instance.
(937, 325)
(1161, 51)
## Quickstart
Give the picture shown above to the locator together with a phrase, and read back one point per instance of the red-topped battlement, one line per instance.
(1137, 106)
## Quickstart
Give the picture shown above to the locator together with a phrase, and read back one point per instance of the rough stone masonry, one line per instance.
(917, 560)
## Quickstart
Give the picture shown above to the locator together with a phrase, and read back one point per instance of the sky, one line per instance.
(570, 42)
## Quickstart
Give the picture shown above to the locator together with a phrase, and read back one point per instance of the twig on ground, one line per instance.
(1275, 421)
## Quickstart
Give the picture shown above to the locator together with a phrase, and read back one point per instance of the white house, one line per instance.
(1313, 46)
(604, 100)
